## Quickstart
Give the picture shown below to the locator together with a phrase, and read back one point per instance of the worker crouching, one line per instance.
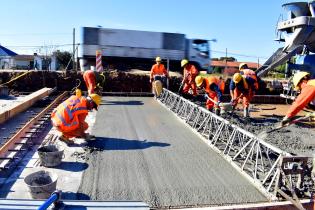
(190, 73)
(214, 87)
(242, 88)
(301, 81)
(69, 117)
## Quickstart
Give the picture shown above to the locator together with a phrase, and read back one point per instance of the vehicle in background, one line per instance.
(132, 47)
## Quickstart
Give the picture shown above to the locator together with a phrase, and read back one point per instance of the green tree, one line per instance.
(63, 59)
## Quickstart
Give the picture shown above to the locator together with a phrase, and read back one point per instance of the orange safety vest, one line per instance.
(210, 80)
(190, 71)
(158, 70)
(250, 73)
(65, 116)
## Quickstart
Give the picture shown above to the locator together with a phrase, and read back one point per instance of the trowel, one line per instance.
(264, 134)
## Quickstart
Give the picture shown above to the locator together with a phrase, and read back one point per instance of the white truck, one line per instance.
(131, 46)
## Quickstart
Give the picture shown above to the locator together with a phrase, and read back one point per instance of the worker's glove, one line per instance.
(285, 120)
(151, 80)
(205, 96)
(218, 103)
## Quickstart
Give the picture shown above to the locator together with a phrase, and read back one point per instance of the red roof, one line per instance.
(250, 65)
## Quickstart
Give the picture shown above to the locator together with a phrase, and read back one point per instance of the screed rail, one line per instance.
(257, 160)
(22, 137)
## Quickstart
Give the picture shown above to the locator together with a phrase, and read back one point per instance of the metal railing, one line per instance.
(257, 160)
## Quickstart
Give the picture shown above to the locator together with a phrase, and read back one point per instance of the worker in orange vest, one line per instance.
(94, 81)
(214, 88)
(69, 116)
(244, 70)
(158, 71)
(242, 87)
(190, 73)
(301, 81)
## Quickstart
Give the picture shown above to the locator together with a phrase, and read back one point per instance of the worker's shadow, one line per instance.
(137, 103)
(101, 143)
(73, 166)
(74, 196)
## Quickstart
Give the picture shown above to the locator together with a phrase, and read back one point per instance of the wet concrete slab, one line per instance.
(144, 152)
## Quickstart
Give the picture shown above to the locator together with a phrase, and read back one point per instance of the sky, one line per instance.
(245, 28)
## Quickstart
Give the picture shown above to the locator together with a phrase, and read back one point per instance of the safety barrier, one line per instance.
(258, 161)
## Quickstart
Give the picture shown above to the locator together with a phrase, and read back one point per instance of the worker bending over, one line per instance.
(69, 116)
(214, 88)
(94, 81)
(301, 81)
(245, 71)
(242, 87)
(190, 73)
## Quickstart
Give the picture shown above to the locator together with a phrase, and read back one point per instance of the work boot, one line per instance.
(66, 140)
(217, 111)
(246, 112)
(89, 137)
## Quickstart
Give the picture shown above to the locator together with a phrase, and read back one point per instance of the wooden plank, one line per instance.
(28, 101)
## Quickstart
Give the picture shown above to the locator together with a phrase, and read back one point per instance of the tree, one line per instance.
(63, 59)
(232, 59)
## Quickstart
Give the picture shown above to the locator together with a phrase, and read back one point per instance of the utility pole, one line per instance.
(225, 58)
(73, 53)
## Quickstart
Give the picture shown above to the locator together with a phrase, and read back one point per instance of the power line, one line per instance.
(237, 54)
(36, 34)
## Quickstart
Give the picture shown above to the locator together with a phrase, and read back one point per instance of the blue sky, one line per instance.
(245, 27)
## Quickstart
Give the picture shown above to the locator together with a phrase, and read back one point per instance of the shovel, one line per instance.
(264, 134)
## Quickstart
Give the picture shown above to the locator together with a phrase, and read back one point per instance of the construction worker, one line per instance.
(158, 71)
(244, 70)
(69, 116)
(214, 88)
(301, 81)
(190, 73)
(94, 81)
(242, 87)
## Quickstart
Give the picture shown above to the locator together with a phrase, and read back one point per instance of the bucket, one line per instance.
(41, 184)
(50, 155)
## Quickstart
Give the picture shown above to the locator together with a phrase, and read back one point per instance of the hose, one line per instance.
(12, 80)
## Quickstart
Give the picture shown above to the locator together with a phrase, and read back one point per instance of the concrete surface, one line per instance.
(69, 171)
(143, 152)
(298, 139)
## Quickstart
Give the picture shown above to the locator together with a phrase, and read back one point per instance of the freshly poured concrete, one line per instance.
(143, 152)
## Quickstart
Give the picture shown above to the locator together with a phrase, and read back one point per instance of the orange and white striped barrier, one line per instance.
(99, 66)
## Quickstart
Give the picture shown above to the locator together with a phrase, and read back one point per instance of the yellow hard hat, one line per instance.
(183, 62)
(158, 59)
(297, 78)
(199, 80)
(242, 65)
(96, 98)
(237, 77)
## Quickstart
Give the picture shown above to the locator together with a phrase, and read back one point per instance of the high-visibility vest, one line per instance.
(65, 116)
(210, 80)
(311, 82)
(250, 73)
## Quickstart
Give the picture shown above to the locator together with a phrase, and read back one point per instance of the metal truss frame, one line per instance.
(257, 160)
